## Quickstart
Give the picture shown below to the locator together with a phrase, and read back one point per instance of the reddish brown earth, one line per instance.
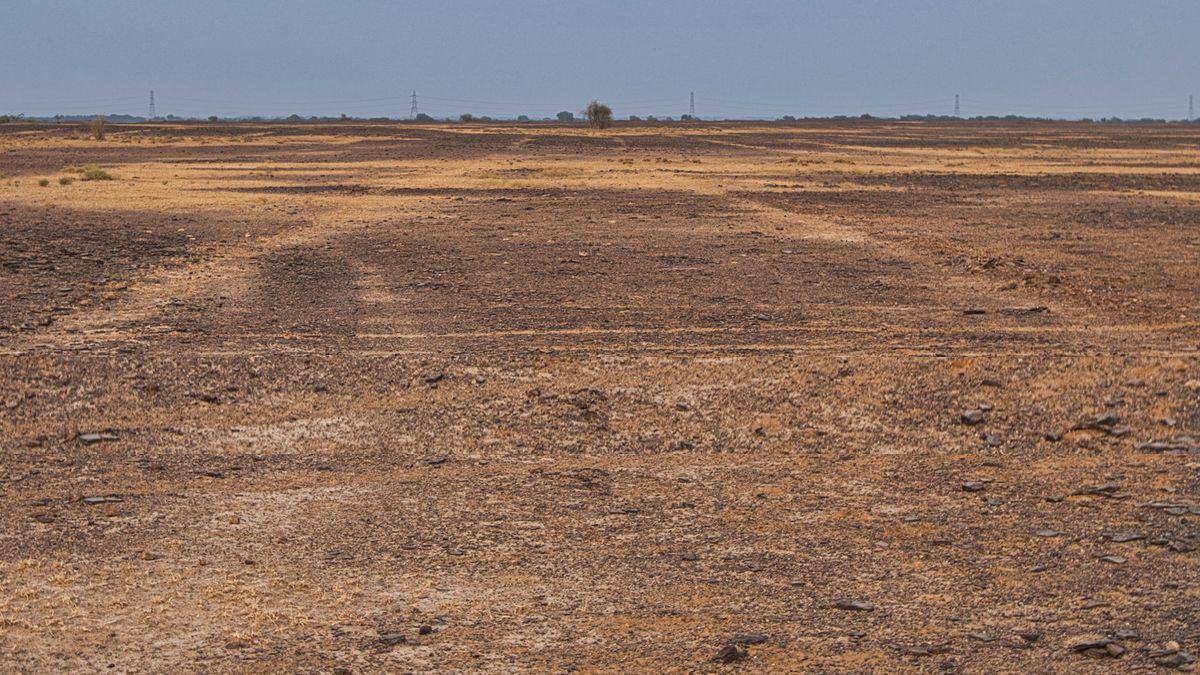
(897, 398)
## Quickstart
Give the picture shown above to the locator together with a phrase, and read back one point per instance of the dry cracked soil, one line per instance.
(830, 397)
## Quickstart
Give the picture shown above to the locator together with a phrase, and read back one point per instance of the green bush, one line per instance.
(94, 173)
(65, 180)
(45, 182)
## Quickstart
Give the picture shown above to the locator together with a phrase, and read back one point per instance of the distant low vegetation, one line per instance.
(94, 173)
(566, 116)
(599, 116)
(86, 173)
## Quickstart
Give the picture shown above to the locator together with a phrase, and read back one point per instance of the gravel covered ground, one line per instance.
(855, 397)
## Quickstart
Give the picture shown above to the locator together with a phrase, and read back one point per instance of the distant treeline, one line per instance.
(568, 117)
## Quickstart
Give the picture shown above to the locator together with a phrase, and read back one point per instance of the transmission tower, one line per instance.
(692, 105)
(413, 112)
(1191, 108)
(153, 115)
(957, 107)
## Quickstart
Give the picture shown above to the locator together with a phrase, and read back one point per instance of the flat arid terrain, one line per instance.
(836, 397)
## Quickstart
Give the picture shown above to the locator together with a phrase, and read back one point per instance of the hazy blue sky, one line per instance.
(1067, 58)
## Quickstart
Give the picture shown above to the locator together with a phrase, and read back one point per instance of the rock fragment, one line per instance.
(971, 417)
(853, 605)
(749, 639)
(731, 654)
(1105, 423)
(1122, 537)
(96, 437)
(1102, 648)
(392, 639)
(1173, 658)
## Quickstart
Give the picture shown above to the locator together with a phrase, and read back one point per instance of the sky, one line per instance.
(742, 58)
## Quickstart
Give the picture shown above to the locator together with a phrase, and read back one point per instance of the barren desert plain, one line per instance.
(830, 397)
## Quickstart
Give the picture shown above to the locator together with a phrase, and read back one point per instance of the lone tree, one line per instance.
(599, 115)
(98, 128)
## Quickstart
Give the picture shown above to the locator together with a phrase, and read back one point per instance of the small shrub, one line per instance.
(65, 180)
(45, 182)
(94, 173)
(599, 115)
(466, 117)
(98, 128)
